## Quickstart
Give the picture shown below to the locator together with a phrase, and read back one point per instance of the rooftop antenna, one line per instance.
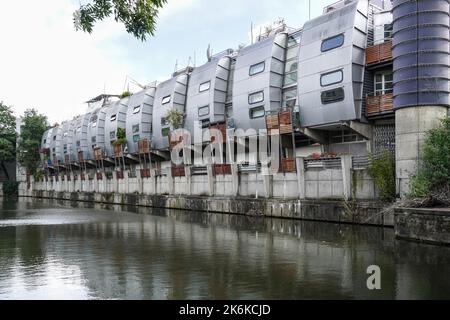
(176, 66)
(309, 10)
(209, 52)
(251, 30)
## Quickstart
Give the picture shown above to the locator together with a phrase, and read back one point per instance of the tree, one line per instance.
(33, 127)
(138, 16)
(7, 137)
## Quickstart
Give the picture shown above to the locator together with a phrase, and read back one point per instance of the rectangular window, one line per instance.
(291, 66)
(290, 79)
(332, 43)
(205, 123)
(164, 122)
(94, 118)
(256, 97)
(136, 109)
(332, 96)
(290, 98)
(94, 139)
(165, 100)
(78, 143)
(204, 86)
(135, 128)
(203, 111)
(112, 135)
(257, 68)
(388, 30)
(165, 132)
(113, 117)
(65, 147)
(65, 134)
(94, 125)
(327, 79)
(384, 83)
(79, 129)
(45, 140)
(54, 138)
(136, 138)
(257, 112)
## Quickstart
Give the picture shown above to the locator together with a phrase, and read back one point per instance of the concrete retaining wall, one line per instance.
(426, 225)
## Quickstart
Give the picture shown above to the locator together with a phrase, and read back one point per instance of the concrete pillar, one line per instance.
(411, 125)
(346, 162)
(235, 178)
(115, 183)
(170, 181)
(300, 165)
(187, 170)
(211, 179)
(267, 181)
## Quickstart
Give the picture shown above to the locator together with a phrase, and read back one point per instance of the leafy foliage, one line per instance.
(11, 188)
(121, 137)
(175, 118)
(7, 137)
(31, 131)
(434, 171)
(382, 170)
(138, 16)
(125, 94)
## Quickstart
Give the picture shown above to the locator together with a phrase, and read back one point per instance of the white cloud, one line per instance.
(45, 64)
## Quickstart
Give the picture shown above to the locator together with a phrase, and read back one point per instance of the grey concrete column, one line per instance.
(187, 170)
(235, 178)
(300, 165)
(211, 179)
(126, 181)
(115, 183)
(170, 181)
(411, 126)
(346, 162)
(267, 181)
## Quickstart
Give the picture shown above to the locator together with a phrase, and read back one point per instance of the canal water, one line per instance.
(65, 250)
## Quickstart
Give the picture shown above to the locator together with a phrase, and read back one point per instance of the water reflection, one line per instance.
(56, 249)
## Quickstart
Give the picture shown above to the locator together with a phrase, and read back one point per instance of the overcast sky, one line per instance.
(47, 65)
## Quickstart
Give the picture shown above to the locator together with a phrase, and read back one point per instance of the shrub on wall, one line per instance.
(10, 188)
(382, 170)
(433, 178)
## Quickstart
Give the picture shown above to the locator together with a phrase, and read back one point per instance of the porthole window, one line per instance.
(330, 78)
(257, 68)
(113, 117)
(136, 109)
(203, 111)
(256, 97)
(166, 100)
(332, 43)
(257, 112)
(332, 96)
(135, 128)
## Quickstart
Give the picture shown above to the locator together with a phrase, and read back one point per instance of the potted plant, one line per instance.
(120, 141)
(175, 118)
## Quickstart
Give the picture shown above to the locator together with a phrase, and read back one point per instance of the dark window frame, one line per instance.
(255, 65)
(255, 108)
(204, 107)
(169, 97)
(325, 41)
(201, 84)
(255, 93)
(332, 83)
(329, 101)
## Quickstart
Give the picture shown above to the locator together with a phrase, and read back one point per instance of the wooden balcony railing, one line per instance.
(379, 104)
(279, 123)
(379, 53)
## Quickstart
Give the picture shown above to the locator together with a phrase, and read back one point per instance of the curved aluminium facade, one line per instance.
(116, 116)
(169, 94)
(96, 128)
(331, 66)
(139, 118)
(421, 53)
(56, 145)
(80, 137)
(258, 81)
(67, 141)
(207, 93)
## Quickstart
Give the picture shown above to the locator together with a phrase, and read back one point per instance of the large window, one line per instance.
(112, 135)
(332, 96)
(257, 68)
(203, 111)
(135, 128)
(165, 100)
(256, 97)
(290, 97)
(327, 79)
(204, 86)
(384, 83)
(136, 138)
(332, 43)
(257, 112)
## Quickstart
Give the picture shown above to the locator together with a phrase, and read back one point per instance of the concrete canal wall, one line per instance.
(425, 225)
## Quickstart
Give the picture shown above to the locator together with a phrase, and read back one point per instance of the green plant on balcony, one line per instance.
(125, 94)
(121, 137)
(175, 118)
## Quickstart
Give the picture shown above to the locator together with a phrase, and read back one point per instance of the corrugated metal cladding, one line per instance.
(321, 103)
(421, 53)
(80, 140)
(96, 128)
(116, 116)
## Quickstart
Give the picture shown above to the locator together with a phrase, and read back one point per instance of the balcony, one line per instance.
(379, 53)
(279, 123)
(377, 105)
